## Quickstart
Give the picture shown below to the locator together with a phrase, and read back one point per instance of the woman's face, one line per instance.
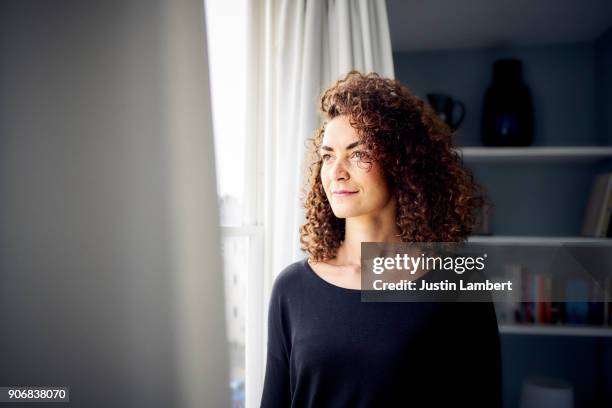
(353, 188)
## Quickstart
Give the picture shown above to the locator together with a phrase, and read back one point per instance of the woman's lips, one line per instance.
(344, 193)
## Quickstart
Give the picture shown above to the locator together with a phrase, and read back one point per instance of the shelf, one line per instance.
(566, 330)
(534, 240)
(531, 154)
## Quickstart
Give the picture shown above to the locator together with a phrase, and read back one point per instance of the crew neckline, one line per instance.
(325, 282)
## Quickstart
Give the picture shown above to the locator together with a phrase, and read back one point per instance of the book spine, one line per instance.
(606, 210)
(548, 312)
(594, 216)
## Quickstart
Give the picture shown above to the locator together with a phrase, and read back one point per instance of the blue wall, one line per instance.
(603, 88)
(585, 362)
(560, 77)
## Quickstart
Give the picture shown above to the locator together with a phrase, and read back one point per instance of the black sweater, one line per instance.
(326, 348)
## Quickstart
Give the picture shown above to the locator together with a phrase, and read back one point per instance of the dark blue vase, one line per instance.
(507, 118)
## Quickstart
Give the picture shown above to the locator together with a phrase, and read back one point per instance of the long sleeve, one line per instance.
(475, 345)
(276, 390)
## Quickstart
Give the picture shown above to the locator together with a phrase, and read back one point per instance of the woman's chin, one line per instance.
(340, 214)
(345, 213)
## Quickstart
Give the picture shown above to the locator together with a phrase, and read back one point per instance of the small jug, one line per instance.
(444, 105)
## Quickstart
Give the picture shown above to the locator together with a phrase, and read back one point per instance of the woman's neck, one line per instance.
(366, 228)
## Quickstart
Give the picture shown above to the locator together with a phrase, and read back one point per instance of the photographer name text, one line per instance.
(444, 285)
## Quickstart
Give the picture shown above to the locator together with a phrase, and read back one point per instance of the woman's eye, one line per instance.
(325, 157)
(358, 155)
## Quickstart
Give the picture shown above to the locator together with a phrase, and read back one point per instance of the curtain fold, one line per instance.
(202, 356)
(297, 48)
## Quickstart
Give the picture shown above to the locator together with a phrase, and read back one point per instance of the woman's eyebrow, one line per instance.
(349, 147)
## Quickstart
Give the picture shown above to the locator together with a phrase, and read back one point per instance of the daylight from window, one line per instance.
(225, 29)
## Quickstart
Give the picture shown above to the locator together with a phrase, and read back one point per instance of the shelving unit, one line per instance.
(546, 329)
(532, 240)
(546, 154)
(560, 330)
(539, 193)
(541, 155)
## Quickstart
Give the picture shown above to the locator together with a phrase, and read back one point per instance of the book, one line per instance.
(608, 301)
(599, 208)
(597, 305)
(576, 305)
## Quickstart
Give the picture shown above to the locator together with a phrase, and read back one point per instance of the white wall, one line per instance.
(101, 255)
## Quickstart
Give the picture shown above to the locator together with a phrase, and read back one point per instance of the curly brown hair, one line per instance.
(415, 145)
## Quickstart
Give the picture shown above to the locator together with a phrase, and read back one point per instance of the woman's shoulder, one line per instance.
(291, 277)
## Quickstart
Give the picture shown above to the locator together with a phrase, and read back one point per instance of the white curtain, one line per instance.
(297, 49)
(202, 356)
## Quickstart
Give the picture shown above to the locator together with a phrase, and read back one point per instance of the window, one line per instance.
(241, 239)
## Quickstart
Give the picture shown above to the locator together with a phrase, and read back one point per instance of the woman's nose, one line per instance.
(339, 170)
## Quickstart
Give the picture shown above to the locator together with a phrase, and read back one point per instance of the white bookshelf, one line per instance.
(535, 240)
(557, 154)
(555, 330)
(546, 329)
(536, 153)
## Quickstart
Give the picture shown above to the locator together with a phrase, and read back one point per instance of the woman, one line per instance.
(384, 170)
